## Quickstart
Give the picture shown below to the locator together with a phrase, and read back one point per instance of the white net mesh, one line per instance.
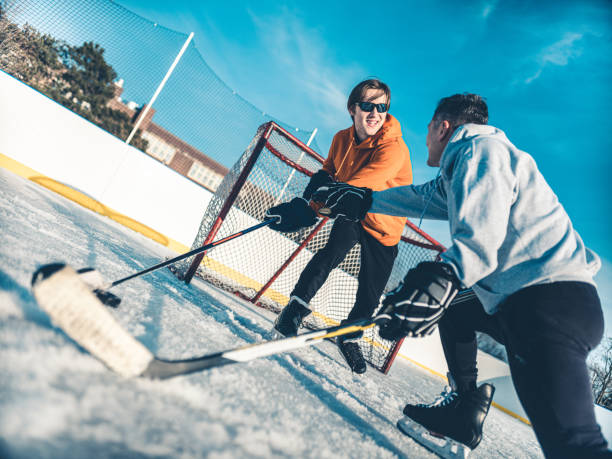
(265, 265)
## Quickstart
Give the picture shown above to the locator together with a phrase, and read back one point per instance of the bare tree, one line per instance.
(27, 54)
(600, 366)
(78, 77)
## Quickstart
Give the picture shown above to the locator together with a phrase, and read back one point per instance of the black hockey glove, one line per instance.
(291, 216)
(344, 200)
(419, 302)
(319, 179)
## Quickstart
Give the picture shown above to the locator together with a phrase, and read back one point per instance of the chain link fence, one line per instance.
(105, 63)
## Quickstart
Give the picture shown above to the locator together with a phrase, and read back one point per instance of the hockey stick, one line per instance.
(74, 308)
(93, 278)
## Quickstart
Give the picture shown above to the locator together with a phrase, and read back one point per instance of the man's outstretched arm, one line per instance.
(412, 201)
(353, 203)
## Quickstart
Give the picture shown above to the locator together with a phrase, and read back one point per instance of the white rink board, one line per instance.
(43, 135)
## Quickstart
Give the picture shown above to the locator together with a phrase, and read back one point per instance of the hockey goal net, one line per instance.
(264, 266)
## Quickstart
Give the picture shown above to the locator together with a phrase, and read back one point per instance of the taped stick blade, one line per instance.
(91, 277)
(74, 308)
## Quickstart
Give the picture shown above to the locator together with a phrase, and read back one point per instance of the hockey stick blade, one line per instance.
(74, 308)
(443, 446)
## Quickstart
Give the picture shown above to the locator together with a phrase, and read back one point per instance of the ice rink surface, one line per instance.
(58, 401)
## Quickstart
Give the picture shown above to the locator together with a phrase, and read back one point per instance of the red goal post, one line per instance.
(264, 266)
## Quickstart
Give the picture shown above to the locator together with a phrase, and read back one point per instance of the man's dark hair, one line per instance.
(461, 109)
(359, 90)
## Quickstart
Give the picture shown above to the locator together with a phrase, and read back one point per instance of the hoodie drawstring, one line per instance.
(429, 198)
(343, 159)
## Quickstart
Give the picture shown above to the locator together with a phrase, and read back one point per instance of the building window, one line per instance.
(204, 175)
(158, 148)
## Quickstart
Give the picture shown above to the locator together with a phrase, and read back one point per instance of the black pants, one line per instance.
(376, 265)
(548, 330)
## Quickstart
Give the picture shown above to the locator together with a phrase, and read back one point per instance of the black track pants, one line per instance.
(376, 265)
(548, 330)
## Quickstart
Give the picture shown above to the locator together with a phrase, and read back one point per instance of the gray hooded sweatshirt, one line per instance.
(507, 227)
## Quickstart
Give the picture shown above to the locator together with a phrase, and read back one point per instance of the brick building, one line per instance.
(168, 148)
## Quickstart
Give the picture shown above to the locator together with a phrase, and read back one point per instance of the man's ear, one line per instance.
(445, 130)
(352, 111)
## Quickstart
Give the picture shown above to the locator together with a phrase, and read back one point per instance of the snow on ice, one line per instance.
(58, 401)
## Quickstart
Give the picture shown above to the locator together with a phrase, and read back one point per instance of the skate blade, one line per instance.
(443, 446)
(274, 334)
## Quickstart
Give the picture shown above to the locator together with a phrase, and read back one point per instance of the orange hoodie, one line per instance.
(379, 162)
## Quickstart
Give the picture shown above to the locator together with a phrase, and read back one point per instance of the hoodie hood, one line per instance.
(468, 134)
(470, 130)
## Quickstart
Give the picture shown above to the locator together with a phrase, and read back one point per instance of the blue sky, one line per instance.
(546, 72)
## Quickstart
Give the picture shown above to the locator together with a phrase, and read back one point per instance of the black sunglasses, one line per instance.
(369, 106)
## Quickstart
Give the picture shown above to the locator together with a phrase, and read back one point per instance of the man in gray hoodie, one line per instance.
(515, 246)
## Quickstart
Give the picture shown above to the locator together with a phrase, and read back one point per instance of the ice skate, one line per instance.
(289, 320)
(451, 426)
(352, 354)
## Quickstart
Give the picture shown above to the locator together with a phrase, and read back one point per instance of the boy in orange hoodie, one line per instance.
(370, 153)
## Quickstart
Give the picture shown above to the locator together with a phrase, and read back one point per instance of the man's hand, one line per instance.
(291, 216)
(419, 302)
(343, 200)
